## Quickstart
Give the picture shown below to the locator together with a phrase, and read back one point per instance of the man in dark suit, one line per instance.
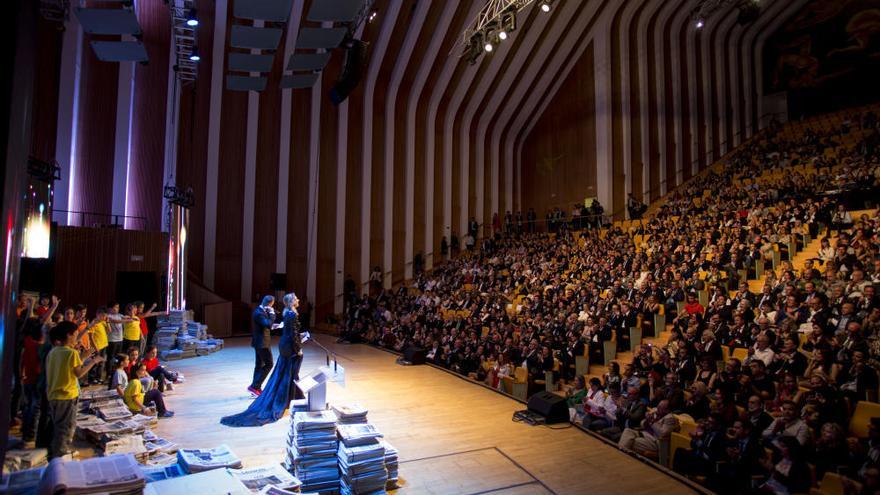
(261, 340)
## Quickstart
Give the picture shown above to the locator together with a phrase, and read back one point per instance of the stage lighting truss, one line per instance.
(178, 196)
(183, 12)
(493, 25)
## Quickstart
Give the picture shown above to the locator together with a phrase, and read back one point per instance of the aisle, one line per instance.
(453, 437)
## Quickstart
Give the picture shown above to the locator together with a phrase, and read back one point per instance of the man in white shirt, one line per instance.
(788, 425)
(762, 351)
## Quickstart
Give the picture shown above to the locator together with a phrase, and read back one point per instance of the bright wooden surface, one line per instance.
(453, 437)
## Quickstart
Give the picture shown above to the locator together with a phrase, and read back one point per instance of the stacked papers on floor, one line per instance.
(350, 413)
(115, 474)
(161, 446)
(391, 464)
(311, 450)
(170, 354)
(18, 459)
(258, 478)
(198, 460)
(213, 482)
(358, 434)
(162, 472)
(362, 468)
(113, 412)
(24, 481)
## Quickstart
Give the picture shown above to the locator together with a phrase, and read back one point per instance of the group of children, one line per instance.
(61, 352)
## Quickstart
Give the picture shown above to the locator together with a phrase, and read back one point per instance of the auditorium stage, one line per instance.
(453, 437)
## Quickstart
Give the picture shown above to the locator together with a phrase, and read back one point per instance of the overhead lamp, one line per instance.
(372, 16)
(699, 24)
(191, 19)
(545, 6)
(488, 47)
(194, 56)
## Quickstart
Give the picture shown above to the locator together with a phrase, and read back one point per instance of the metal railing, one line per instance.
(102, 220)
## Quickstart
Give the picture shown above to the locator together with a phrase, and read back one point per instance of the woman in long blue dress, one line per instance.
(280, 389)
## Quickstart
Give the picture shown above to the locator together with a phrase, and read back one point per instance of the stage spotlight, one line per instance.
(545, 6)
(699, 24)
(502, 35)
(372, 16)
(194, 56)
(191, 19)
(488, 47)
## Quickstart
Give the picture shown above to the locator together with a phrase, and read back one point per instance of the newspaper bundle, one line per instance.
(213, 482)
(18, 459)
(165, 472)
(391, 464)
(358, 434)
(198, 460)
(311, 452)
(114, 474)
(350, 413)
(271, 475)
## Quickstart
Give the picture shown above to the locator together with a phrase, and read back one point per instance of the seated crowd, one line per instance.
(62, 351)
(770, 378)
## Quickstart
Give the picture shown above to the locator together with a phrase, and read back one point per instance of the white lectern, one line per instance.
(314, 385)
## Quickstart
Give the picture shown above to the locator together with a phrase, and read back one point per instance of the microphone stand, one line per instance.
(327, 352)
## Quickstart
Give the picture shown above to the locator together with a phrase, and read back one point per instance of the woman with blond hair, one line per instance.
(270, 405)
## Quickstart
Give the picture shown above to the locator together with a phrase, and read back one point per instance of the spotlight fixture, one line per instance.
(194, 56)
(494, 24)
(191, 19)
(545, 6)
(699, 24)
(372, 16)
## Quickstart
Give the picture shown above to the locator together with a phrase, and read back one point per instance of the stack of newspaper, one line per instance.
(311, 450)
(391, 464)
(361, 460)
(197, 330)
(358, 434)
(213, 482)
(362, 468)
(18, 459)
(162, 472)
(113, 412)
(350, 413)
(198, 460)
(115, 474)
(258, 479)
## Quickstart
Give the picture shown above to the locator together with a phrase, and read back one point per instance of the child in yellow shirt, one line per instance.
(64, 368)
(137, 399)
(98, 336)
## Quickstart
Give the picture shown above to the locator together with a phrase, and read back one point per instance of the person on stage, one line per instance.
(261, 340)
(270, 405)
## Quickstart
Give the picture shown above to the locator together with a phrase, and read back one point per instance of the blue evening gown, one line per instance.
(280, 389)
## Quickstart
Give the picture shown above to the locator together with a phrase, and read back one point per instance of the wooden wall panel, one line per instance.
(95, 138)
(87, 260)
(266, 178)
(327, 200)
(685, 112)
(149, 103)
(618, 172)
(230, 189)
(192, 141)
(559, 157)
(635, 107)
(47, 71)
(298, 192)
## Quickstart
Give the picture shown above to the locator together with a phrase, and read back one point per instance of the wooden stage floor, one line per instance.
(453, 437)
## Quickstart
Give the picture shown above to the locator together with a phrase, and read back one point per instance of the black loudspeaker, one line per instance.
(352, 71)
(415, 355)
(278, 281)
(549, 405)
